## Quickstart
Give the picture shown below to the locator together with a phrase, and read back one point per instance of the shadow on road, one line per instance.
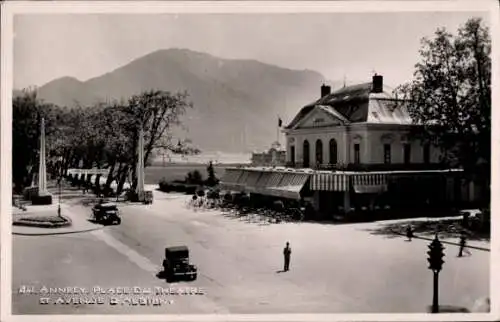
(448, 228)
(161, 275)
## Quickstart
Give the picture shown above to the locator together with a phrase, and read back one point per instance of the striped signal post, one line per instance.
(436, 262)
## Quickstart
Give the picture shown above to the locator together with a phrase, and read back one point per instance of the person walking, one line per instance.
(409, 233)
(463, 245)
(287, 251)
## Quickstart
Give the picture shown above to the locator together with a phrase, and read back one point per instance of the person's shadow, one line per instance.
(280, 271)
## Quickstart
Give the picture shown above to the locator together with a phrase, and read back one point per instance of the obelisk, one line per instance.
(42, 169)
(140, 166)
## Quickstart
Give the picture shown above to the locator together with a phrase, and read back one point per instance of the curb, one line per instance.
(445, 242)
(58, 232)
(45, 224)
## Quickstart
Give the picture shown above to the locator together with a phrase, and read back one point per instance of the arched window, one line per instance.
(306, 154)
(319, 152)
(333, 151)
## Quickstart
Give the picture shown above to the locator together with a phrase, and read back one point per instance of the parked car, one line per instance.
(176, 264)
(106, 213)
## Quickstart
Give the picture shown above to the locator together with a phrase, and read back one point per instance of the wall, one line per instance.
(370, 138)
(374, 138)
(312, 135)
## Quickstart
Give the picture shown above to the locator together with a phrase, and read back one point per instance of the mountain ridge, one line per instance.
(236, 101)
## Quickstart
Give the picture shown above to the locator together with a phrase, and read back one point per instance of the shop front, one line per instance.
(278, 183)
(333, 193)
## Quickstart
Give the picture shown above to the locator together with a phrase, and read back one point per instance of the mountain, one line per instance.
(236, 102)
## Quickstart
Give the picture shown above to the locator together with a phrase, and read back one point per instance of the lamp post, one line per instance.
(435, 260)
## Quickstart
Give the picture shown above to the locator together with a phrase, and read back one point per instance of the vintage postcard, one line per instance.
(263, 161)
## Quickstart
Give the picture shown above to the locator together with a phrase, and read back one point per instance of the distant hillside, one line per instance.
(236, 102)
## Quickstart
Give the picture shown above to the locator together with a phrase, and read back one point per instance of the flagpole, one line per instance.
(278, 132)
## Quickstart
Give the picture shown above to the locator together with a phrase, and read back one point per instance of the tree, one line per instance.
(27, 112)
(194, 177)
(102, 135)
(450, 96)
(211, 180)
(156, 112)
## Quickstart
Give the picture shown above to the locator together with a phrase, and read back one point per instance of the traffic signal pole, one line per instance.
(436, 262)
(435, 294)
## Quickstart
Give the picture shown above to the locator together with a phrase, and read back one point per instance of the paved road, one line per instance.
(334, 268)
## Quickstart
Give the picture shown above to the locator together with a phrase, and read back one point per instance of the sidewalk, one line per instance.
(76, 215)
(483, 245)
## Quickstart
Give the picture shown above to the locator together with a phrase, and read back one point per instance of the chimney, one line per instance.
(325, 90)
(377, 84)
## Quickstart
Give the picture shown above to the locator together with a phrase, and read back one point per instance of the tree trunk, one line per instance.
(111, 175)
(122, 179)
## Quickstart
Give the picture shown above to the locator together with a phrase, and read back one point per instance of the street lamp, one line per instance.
(436, 261)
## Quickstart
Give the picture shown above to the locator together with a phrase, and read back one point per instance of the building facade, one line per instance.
(354, 150)
(275, 156)
(356, 126)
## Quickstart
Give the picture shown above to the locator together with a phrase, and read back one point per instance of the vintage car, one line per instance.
(106, 213)
(176, 264)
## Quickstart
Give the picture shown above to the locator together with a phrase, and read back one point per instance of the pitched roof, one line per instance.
(349, 94)
(357, 104)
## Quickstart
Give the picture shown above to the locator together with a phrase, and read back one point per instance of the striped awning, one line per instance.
(275, 179)
(231, 175)
(285, 184)
(252, 178)
(230, 180)
(369, 183)
(290, 185)
(330, 182)
(264, 180)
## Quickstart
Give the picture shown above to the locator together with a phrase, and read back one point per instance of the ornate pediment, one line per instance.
(318, 118)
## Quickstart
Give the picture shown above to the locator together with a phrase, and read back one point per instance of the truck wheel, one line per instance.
(118, 221)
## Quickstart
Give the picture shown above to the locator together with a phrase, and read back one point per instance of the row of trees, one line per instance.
(99, 136)
(450, 95)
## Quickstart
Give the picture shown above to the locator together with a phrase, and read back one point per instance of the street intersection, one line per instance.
(334, 268)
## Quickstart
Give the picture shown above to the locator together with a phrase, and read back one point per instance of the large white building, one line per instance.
(355, 149)
(357, 125)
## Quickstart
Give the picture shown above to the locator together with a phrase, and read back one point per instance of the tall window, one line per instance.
(306, 154)
(407, 153)
(357, 158)
(427, 153)
(387, 153)
(292, 154)
(333, 151)
(319, 152)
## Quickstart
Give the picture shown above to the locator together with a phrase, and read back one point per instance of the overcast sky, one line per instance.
(335, 44)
